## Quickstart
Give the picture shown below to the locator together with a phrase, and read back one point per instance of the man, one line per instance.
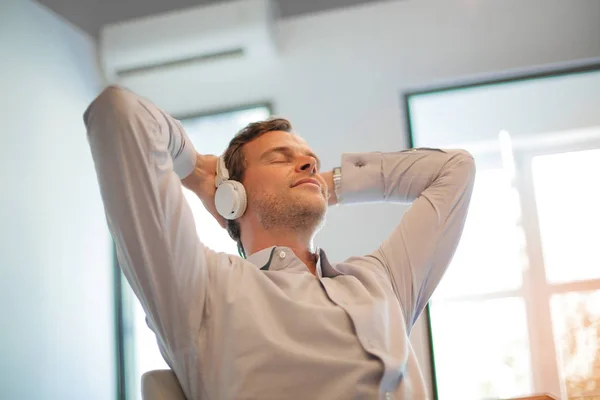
(285, 323)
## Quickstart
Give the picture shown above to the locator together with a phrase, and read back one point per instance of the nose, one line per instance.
(307, 163)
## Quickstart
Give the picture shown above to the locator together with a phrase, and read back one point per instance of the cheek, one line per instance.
(325, 189)
(265, 182)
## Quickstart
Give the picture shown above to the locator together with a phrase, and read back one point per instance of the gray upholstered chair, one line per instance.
(161, 385)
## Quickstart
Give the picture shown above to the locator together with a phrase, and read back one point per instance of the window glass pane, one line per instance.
(481, 349)
(489, 255)
(567, 194)
(211, 135)
(576, 319)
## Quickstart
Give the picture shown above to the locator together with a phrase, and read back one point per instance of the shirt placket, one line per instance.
(368, 340)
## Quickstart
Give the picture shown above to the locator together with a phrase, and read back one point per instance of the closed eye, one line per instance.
(281, 158)
(284, 154)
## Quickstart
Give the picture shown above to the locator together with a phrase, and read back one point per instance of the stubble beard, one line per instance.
(296, 213)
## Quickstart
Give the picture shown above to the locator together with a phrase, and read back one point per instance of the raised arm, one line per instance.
(140, 155)
(439, 184)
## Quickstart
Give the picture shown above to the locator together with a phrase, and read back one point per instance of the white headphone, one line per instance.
(230, 196)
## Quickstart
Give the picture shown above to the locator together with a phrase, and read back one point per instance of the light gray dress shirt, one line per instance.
(265, 327)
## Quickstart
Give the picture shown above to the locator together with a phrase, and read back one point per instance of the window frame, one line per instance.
(532, 235)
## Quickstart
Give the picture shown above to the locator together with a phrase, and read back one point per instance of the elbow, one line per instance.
(467, 159)
(471, 168)
(109, 100)
(464, 154)
(465, 162)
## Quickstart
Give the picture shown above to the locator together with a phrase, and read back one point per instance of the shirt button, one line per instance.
(388, 395)
(282, 255)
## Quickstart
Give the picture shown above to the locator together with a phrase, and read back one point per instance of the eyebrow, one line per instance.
(288, 152)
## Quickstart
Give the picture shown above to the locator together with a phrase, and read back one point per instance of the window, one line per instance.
(518, 312)
(513, 317)
(210, 135)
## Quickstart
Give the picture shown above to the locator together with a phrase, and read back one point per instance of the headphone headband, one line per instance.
(222, 173)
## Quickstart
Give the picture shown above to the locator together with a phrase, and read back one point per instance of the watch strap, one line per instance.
(337, 183)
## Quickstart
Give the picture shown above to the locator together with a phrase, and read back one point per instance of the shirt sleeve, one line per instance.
(438, 185)
(140, 153)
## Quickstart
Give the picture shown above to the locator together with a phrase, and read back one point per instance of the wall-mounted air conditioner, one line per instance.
(239, 31)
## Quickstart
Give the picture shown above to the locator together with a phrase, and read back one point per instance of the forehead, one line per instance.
(270, 140)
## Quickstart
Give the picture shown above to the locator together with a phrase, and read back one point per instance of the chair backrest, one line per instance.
(161, 385)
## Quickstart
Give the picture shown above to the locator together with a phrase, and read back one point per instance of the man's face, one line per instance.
(284, 186)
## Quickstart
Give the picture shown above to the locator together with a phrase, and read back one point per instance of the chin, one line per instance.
(303, 211)
(314, 202)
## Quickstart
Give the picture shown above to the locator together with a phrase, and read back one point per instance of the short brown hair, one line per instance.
(235, 161)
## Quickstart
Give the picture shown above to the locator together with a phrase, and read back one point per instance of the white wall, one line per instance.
(340, 74)
(57, 330)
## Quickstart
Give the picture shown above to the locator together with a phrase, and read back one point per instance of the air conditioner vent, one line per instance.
(239, 30)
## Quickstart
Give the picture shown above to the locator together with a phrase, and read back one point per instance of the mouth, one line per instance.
(308, 181)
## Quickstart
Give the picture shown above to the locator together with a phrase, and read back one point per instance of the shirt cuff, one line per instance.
(185, 162)
(362, 178)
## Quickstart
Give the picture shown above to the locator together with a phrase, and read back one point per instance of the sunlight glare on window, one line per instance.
(489, 255)
(567, 194)
(481, 349)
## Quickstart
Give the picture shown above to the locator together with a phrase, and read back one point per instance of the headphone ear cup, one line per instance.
(243, 198)
(230, 199)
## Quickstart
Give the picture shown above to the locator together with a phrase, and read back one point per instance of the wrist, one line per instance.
(337, 184)
(184, 162)
(198, 175)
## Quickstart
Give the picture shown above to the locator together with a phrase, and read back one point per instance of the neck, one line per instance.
(300, 243)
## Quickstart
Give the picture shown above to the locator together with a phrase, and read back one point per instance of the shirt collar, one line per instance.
(263, 258)
(324, 267)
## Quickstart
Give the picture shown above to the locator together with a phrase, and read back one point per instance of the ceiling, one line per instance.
(91, 15)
